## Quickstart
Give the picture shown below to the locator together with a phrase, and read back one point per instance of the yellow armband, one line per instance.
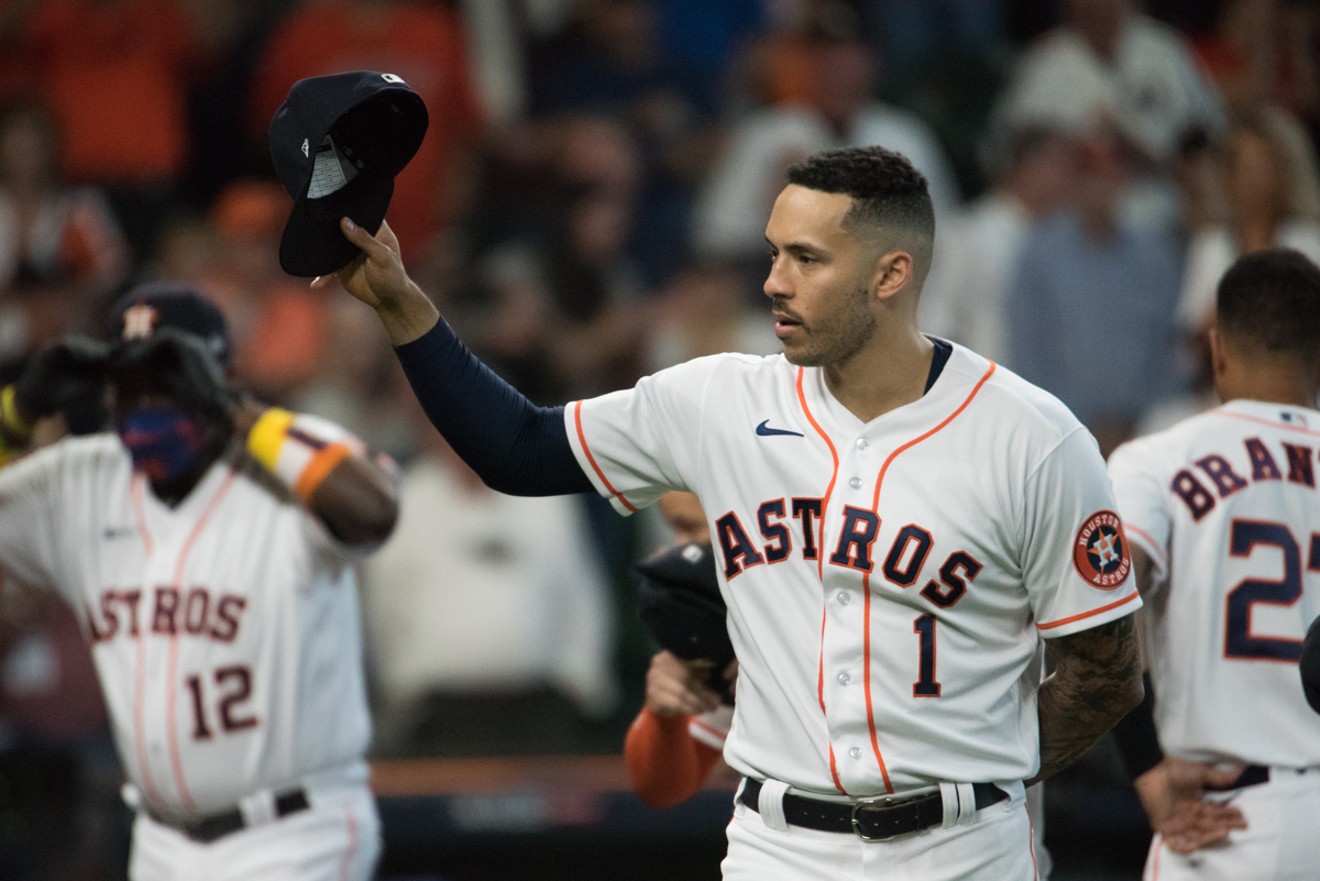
(298, 449)
(10, 421)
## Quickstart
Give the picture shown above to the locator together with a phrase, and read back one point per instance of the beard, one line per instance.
(836, 337)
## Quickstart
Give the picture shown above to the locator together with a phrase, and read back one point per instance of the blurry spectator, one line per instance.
(704, 310)
(842, 111)
(491, 626)
(359, 385)
(774, 67)
(976, 253)
(1110, 64)
(1090, 310)
(116, 73)
(706, 36)
(1264, 52)
(497, 38)
(1268, 197)
(914, 32)
(610, 61)
(60, 246)
(564, 317)
(187, 248)
(279, 324)
(424, 43)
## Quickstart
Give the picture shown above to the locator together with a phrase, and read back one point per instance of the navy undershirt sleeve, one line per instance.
(515, 446)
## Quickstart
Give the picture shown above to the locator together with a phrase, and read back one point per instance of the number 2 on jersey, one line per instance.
(1244, 537)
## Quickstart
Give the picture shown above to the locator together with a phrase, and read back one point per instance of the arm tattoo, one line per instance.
(1096, 681)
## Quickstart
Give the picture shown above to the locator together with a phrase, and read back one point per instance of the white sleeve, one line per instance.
(1076, 564)
(1143, 502)
(29, 532)
(637, 444)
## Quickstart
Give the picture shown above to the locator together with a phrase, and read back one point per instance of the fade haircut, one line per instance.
(886, 190)
(1272, 298)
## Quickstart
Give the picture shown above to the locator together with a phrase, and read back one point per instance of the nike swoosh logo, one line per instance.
(764, 430)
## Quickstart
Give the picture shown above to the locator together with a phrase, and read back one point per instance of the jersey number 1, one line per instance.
(926, 685)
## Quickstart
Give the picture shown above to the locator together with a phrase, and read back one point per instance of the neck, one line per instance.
(1273, 384)
(888, 373)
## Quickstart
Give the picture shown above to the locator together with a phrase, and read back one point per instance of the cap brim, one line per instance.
(313, 244)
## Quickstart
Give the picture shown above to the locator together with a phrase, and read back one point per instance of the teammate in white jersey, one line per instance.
(1224, 516)
(208, 547)
(898, 522)
(677, 739)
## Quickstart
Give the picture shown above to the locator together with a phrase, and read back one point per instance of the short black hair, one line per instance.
(886, 189)
(1272, 298)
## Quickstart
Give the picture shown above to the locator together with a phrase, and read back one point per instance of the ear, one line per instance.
(893, 272)
(1218, 353)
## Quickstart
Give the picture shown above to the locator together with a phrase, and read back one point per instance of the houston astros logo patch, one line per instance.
(1100, 551)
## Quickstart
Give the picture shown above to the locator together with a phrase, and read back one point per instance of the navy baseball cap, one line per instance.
(149, 307)
(337, 142)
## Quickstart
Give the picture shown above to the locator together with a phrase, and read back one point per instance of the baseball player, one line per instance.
(1224, 518)
(898, 524)
(678, 736)
(676, 740)
(207, 546)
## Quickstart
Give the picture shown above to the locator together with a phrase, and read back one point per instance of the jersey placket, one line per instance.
(848, 559)
(159, 685)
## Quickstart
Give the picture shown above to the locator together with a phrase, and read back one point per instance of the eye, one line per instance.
(806, 259)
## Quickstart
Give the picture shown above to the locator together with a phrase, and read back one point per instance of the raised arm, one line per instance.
(340, 482)
(513, 445)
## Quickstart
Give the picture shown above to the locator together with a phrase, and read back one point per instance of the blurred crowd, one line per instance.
(587, 207)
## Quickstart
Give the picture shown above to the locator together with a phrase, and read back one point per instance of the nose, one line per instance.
(775, 284)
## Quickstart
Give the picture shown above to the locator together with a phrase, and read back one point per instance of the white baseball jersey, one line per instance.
(225, 631)
(1226, 506)
(887, 582)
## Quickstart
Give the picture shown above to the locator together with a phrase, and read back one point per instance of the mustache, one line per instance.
(778, 310)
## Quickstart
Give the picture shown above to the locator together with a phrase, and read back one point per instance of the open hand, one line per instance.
(1173, 795)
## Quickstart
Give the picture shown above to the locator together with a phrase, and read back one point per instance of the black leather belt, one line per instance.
(1250, 776)
(873, 819)
(216, 826)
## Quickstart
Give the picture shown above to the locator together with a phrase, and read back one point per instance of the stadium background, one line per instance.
(561, 212)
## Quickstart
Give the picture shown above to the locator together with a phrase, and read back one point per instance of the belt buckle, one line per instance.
(878, 804)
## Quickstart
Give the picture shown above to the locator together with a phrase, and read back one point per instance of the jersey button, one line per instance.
(862, 443)
(855, 752)
(855, 483)
(843, 597)
(844, 678)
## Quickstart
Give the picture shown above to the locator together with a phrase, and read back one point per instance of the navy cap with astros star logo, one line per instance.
(147, 308)
(337, 143)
